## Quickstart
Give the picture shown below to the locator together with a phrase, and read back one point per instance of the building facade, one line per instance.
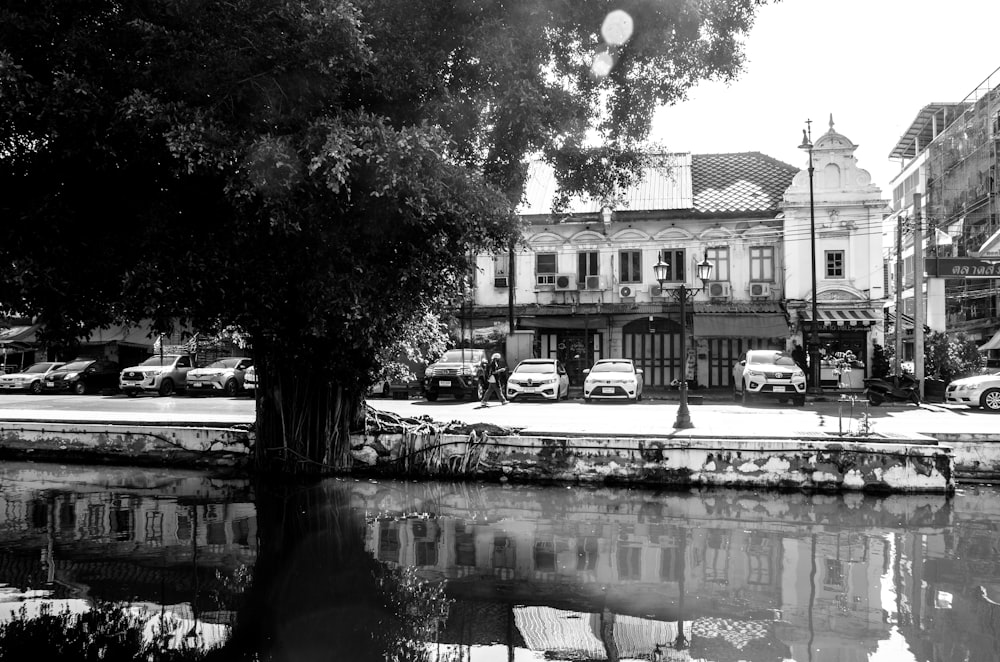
(949, 156)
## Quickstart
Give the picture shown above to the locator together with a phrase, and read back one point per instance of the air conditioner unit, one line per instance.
(593, 282)
(626, 291)
(760, 289)
(500, 281)
(719, 289)
(657, 291)
(565, 282)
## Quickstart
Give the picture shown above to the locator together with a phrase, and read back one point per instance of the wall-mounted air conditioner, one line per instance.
(626, 291)
(719, 289)
(500, 281)
(760, 289)
(593, 282)
(657, 291)
(565, 282)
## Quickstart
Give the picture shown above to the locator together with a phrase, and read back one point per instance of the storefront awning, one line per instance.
(764, 325)
(844, 316)
(20, 335)
(992, 343)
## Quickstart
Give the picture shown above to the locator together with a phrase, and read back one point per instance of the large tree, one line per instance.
(314, 172)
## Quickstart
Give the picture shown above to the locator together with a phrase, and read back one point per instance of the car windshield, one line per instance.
(166, 359)
(536, 367)
(769, 358)
(76, 365)
(224, 363)
(39, 367)
(460, 355)
(612, 367)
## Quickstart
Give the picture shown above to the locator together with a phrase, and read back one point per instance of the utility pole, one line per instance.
(918, 294)
(897, 368)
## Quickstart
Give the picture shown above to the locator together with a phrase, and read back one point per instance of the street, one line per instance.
(717, 418)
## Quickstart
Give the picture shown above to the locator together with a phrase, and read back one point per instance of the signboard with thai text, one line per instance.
(962, 267)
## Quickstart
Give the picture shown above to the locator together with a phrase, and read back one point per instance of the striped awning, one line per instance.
(844, 316)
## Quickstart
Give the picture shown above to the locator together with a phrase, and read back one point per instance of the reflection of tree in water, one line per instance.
(317, 594)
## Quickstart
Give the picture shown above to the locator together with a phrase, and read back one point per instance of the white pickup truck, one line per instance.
(161, 374)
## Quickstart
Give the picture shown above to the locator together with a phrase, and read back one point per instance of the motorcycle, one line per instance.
(897, 388)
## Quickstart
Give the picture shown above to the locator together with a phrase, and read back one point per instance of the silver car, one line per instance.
(979, 391)
(31, 378)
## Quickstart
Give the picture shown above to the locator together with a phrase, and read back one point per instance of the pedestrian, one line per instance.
(495, 380)
(799, 356)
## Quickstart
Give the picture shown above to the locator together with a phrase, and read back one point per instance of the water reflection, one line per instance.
(368, 570)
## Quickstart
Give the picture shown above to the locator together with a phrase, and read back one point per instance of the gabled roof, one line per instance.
(744, 183)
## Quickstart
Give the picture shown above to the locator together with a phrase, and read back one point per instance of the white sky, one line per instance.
(873, 64)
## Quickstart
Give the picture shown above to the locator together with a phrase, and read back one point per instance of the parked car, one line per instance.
(250, 379)
(978, 391)
(222, 376)
(82, 376)
(459, 372)
(161, 374)
(769, 373)
(538, 378)
(614, 379)
(31, 378)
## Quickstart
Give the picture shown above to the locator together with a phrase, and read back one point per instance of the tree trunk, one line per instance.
(304, 420)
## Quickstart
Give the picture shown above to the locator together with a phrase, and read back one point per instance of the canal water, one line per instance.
(222, 568)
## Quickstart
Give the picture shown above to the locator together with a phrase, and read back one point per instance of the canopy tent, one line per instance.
(992, 343)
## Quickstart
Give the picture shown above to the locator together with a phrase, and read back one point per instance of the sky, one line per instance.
(872, 64)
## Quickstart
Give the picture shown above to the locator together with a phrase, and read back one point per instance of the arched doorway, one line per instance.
(654, 344)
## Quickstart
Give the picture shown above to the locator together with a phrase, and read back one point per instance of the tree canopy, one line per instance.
(314, 172)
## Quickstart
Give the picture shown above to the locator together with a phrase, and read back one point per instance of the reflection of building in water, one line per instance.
(117, 546)
(737, 586)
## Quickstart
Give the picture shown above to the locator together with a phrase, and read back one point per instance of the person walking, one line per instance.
(495, 379)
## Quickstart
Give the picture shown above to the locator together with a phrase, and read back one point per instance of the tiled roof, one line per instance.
(739, 183)
(707, 184)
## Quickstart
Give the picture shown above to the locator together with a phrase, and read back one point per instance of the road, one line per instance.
(713, 418)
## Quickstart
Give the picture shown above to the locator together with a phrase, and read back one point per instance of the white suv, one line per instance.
(162, 374)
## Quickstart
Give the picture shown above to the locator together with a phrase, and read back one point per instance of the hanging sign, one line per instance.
(962, 267)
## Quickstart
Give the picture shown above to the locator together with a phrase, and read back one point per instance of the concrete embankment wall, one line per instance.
(158, 445)
(820, 464)
(768, 463)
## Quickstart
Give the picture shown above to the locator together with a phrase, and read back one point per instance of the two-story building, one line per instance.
(583, 278)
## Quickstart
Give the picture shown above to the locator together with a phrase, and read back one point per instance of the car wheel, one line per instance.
(166, 387)
(736, 393)
(990, 400)
(36, 387)
(799, 401)
(431, 397)
(80, 388)
(746, 396)
(232, 387)
(638, 395)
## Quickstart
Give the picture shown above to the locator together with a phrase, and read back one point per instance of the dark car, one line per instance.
(459, 372)
(84, 376)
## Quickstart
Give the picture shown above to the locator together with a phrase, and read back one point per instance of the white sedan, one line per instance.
(614, 379)
(538, 378)
(979, 391)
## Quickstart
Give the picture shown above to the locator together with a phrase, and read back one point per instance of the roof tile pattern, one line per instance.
(739, 183)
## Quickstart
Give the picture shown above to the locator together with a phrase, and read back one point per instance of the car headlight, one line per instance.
(798, 373)
(71, 375)
(962, 387)
(754, 373)
(429, 372)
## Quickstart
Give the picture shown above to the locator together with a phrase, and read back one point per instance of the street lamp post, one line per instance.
(683, 294)
(814, 387)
